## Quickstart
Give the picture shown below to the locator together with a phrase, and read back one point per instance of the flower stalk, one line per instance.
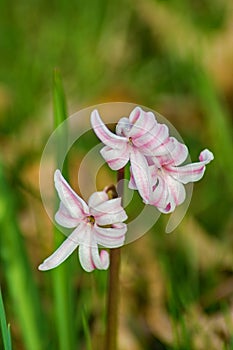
(114, 283)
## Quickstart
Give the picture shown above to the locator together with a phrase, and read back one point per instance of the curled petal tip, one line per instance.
(57, 174)
(42, 267)
(206, 156)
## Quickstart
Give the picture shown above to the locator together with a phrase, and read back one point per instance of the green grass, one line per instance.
(5, 328)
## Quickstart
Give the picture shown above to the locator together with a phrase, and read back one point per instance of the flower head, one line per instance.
(155, 158)
(136, 137)
(100, 222)
(168, 177)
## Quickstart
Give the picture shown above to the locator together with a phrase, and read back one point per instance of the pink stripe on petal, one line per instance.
(159, 195)
(123, 127)
(134, 115)
(73, 203)
(85, 251)
(206, 156)
(64, 218)
(100, 259)
(111, 237)
(104, 134)
(144, 125)
(110, 242)
(151, 139)
(109, 212)
(191, 172)
(115, 230)
(61, 254)
(179, 153)
(176, 154)
(187, 173)
(140, 171)
(116, 158)
(132, 184)
(165, 148)
(176, 190)
(97, 198)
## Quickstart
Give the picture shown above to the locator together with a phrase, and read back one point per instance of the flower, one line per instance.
(136, 137)
(168, 177)
(98, 222)
(155, 158)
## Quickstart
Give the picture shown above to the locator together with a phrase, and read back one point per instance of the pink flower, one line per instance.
(168, 177)
(136, 137)
(100, 222)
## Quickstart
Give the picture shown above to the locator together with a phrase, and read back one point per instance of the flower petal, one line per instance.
(152, 139)
(109, 212)
(64, 218)
(100, 259)
(85, 251)
(166, 147)
(145, 132)
(141, 122)
(206, 156)
(140, 171)
(116, 158)
(176, 194)
(64, 251)
(176, 155)
(112, 237)
(104, 134)
(159, 194)
(132, 184)
(123, 127)
(89, 255)
(73, 203)
(191, 172)
(97, 198)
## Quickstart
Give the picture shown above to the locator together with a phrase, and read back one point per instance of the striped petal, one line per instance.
(64, 218)
(166, 147)
(89, 255)
(159, 194)
(104, 134)
(85, 251)
(123, 127)
(191, 172)
(65, 250)
(132, 184)
(75, 205)
(152, 139)
(175, 195)
(112, 237)
(116, 158)
(100, 259)
(146, 133)
(109, 212)
(141, 122)
(177, 154)
(97, 198)
(140, 172)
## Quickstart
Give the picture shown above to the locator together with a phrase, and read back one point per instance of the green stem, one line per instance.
(113, 285)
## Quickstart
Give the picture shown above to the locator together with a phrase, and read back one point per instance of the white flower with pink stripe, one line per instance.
(168, 177)
(155, 158)
(100, 222)
(136, 137)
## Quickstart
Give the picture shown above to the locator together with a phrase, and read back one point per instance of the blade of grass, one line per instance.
(218, 122)
(17, 270)
(86, 329)
(6, 334)
(62, 276)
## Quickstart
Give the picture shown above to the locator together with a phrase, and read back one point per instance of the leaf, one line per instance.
(6, 335)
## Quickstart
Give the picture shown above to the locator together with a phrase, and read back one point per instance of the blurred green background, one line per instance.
(174, 56)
